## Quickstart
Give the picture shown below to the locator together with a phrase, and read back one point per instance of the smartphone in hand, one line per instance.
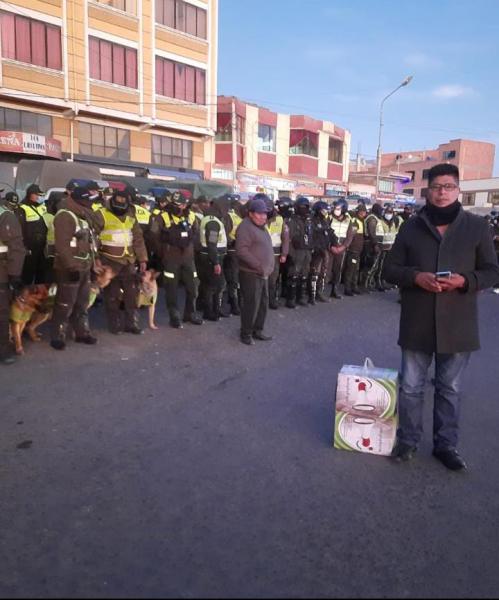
(443, 274)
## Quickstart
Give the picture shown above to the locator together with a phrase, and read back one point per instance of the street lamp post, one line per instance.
(406, 81)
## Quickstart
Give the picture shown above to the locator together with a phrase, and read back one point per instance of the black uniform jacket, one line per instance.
(445, 322)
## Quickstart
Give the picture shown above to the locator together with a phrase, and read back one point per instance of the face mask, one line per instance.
(389, 217)
(176, 210)
(337, 212)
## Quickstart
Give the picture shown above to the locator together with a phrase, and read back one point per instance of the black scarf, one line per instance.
(444, 215)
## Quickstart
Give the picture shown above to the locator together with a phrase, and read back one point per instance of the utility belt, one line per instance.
(114, 251)
(220, 251)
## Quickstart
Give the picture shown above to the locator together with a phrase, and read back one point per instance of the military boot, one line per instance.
(301, 292)
(291, 293)
(321, 284)
(312, 290)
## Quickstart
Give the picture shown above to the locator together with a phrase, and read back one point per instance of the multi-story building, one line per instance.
(261, 150)
(126, 84)
(474, 159)
(480, 194)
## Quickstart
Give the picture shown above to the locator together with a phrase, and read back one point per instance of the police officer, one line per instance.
(300, 253)
(373, 232)
(34, 228)
(354, 252)
(285, 207)
(140, 210)
(174, 231)
(279, 233)
(342, 227)
(74, 256)
(161, 203)
(121, 246)
(231, 265)
(323, 238)
(11, 264)
(212, 250)
(390, 227)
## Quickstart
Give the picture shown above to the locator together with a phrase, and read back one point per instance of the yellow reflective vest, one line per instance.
(50, 244)
(222, 236)
(142, 215)
(236, 221)
(33, 214)
(340, 228)
(275, 229)
(116, 238)
(358, 224)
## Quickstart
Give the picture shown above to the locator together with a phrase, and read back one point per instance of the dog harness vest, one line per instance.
(275, 230)
(222, 236)
(116, 238)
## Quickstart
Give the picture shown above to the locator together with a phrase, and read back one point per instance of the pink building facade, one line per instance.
(279, 153)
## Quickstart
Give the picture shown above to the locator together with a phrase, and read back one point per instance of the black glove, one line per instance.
(73, 276)
(16, 285)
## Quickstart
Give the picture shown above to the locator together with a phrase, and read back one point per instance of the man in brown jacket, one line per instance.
(121, 247)
(11, 265)
(74, 255)
(256, 262)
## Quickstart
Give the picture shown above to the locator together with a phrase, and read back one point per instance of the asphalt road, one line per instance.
(184, 464)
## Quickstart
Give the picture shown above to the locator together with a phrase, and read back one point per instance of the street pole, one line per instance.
(406, 81)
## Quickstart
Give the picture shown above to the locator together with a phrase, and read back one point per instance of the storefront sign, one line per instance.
(333, 189)
(29, 143)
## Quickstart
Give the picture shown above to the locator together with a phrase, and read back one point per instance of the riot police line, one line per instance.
(61, 253)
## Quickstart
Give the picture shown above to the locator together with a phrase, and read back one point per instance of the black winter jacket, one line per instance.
(446, 322)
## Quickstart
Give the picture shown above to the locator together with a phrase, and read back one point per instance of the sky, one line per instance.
(337, 59)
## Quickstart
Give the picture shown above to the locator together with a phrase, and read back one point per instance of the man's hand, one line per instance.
(337, 249)
(454, 282)
(217, 269)
(428, 281)
(282, 259)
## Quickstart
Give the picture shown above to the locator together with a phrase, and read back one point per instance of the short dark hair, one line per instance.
(443, 169)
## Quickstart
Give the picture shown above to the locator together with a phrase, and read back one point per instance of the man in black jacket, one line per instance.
(441, 258)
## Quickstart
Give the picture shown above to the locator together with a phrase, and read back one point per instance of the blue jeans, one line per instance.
(449, 369)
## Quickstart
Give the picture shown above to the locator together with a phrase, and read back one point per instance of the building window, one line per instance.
(335, 150)
(224, 128)
(468, 199)
(266, 138)
(448, 154)
(27, 122)
(171, 152)
(409, 191)
(176, 80)
(99, 140)
(182, 16)
(425, 173)
(424, 192)
(113, 63)
(128, 6)
(30, 41)
(412, 174)
(303, 142)
(385, 185)
(494, 198)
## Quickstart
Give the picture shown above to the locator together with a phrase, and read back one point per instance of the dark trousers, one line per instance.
(378, 279)
(35, 267)
(274, 292)
(254, 302)
(4, 320)
(178, 272)
(71, 305)
(351, 273)
(122, 288)
(231, 273)
(337, 261)
(211, 286)
(320, 263)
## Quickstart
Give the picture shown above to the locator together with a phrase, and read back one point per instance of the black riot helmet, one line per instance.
(285, 206)
(321, 209)
(177, 204)
(12, 200)
(119, 203)
(302, 206)
(341, 204)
